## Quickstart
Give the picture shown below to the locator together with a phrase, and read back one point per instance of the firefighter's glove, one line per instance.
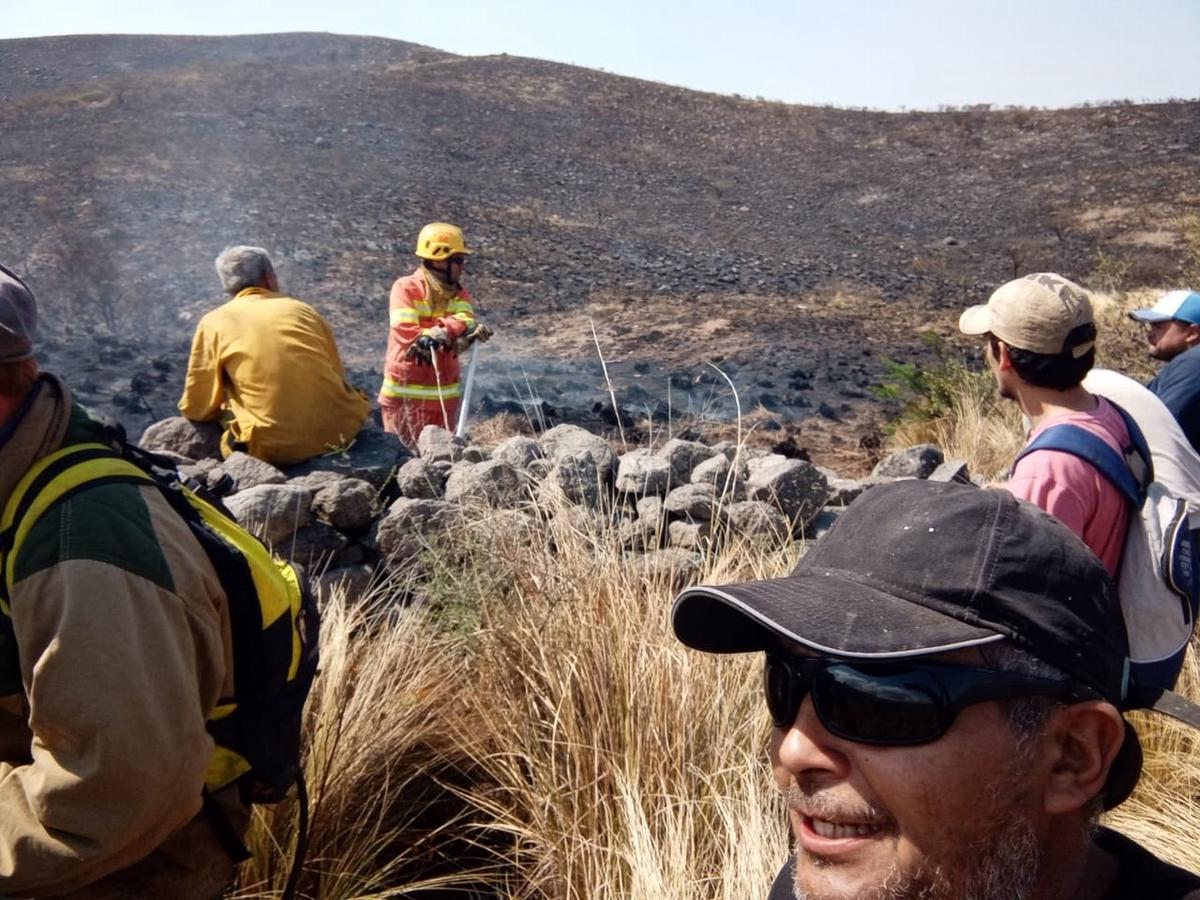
(439, 336)
(422, 348)
(477, 332)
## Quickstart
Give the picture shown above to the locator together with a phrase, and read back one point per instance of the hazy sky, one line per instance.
(879, 53)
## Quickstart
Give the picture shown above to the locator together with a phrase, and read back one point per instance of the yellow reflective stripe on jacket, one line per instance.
(462, 307)
(103, 467)
(419, 391)
(396, 316)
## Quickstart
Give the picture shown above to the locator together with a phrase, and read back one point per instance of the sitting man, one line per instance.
(1173, 333)
(269, 364)
(946, 671)
(111, 659)
(430, 323)
(1040, 343)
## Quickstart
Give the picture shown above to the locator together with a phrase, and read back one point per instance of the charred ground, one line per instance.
(797, 247)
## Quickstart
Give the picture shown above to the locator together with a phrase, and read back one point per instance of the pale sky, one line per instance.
(876, 53)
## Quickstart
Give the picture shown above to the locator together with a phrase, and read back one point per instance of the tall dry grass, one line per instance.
(557, 743)
(532, 730)
(1164, 811)
(624, 765)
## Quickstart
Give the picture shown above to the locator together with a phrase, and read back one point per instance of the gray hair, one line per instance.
(1026, 715)
(243, 267)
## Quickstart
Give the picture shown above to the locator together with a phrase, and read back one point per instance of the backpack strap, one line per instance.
(1094, 450)
(52, 479)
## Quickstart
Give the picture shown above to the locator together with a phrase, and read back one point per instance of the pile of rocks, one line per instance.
(355, 514)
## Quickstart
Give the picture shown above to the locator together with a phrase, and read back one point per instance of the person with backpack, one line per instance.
(115, 650)
(1040, 343)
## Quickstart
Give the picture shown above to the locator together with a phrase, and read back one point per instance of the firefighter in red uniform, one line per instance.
(432, 322)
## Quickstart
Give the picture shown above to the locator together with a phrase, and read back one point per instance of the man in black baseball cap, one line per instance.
(946, 671)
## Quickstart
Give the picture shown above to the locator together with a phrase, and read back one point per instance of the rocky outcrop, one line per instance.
(350, 520)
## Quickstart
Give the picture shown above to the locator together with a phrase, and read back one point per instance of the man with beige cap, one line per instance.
(1041, 343)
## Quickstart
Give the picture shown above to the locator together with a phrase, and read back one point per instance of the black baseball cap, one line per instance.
(915, 568)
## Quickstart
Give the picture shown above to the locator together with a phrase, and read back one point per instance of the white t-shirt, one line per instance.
(1176, 464)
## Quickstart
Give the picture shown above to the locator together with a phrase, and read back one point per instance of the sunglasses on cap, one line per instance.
(893, 702)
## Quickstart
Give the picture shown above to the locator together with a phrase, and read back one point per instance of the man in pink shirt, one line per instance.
(1041, 342)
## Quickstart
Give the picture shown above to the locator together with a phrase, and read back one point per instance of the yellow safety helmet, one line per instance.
(440, 240)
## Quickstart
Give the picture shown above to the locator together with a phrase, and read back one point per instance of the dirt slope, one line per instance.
(795, 246)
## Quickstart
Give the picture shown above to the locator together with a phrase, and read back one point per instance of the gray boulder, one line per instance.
(373, 456)
(411, 526)
(506, 528)
(436, 444)
(691, 501)
(564, 441)
(918, 461)
(314, 481)
(577, 479)
(421, 480)
(539, 468)
(494, 484)
(194, 440)
(689, 535)
(518, 451)
(724, 475)
(348, 504)
(755, 521)
(955, 470)
(650, 509)
(314, 546)
(842, 490)
(352, 582)
(199, 469)
(683, 456)
(474, 453)
(246, 472)
(272, 511)
(796, 488)
(640, 472)
(672, 566)
(639, 535)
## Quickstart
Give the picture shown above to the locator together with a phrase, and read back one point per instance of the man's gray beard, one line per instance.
(1005, 863)
(1003, 866)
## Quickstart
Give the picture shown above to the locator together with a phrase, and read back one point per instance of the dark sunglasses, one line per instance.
(893, 702)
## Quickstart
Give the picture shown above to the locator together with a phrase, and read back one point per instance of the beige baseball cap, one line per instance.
(1034, 313)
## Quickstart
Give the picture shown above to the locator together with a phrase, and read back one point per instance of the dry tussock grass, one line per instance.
(559, 744)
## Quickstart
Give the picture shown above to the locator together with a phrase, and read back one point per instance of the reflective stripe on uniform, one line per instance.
(396, 316)
(419, 391)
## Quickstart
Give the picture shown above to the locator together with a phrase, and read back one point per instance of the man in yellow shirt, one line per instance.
(271, 362)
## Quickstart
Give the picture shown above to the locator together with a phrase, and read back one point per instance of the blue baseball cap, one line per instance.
(1181, 305)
